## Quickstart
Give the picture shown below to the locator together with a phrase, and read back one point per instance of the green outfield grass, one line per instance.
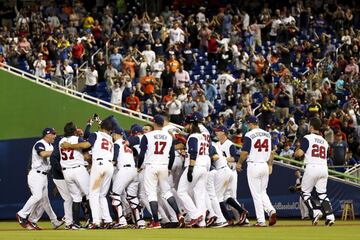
(301, 230)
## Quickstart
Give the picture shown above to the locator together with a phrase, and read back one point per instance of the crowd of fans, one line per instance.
(286, 64)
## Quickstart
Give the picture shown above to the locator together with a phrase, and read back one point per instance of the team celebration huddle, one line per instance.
(181, 176)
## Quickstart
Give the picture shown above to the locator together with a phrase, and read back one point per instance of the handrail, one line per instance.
(76, 94)
(318, 64)
(334, 173)
(337, 50)
(96, 53)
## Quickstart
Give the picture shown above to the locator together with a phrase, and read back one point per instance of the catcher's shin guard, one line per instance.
(136, 209)
(325, 204)
(117, 205)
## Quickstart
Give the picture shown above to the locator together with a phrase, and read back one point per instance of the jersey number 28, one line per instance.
(318, 151)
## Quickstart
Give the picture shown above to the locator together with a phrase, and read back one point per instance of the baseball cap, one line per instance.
(136, 128)
(221, 128)
(159, 120)
(48, 130)
(119, 130)
(252, 119)
(197, 116)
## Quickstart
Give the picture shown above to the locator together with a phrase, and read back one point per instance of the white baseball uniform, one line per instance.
(126, 178)
(198, 149)
(38, 183)
(257, 143)
(159, 146)
(315, 148)
(100, 176)
(75, 174)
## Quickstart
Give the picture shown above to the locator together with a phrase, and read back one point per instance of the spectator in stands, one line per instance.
(174, 107)
(210, 91)
(267, 112)
(67, 73)
(78, 52)
(40, 65)
(111, 74)
(133, 102)
(91, 76)
(314, 109)
(173, 64)
(157, 67)
(182, 78)
(116, 59)
(116, 93)
(189, 106)
(204, 106)
(339, 149)
(148, 82)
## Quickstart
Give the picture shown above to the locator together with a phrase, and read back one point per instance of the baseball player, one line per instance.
(258, 152)
(125, 178)
(228, 151)
(194, 177)
(38, 184)
(101, 171)
(75, 174)
(157, 152)
(62, 188)
(314, 147)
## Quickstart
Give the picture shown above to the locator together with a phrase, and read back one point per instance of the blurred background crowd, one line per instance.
(284, 61)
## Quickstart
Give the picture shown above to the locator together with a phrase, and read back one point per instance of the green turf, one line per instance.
(297, 230)
(27, 108)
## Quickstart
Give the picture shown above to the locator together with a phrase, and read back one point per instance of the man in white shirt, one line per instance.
(68, 73)
(157, 67)
(91, 76)
(149, 55)
(174, 107)
(182, 78)
(176, 34)
(223, 81)
(39, 66)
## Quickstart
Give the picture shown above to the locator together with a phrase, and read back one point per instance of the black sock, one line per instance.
(76, 212)
(171, 200)
(224, 210)
(154, 210)
(87, 210)
(235, 205)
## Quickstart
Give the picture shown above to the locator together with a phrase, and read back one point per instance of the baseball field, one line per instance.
(285, 229)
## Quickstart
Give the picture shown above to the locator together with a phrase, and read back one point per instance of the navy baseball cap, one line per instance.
(188, 119)
(252, 119)
(221, 128)
(119, 130)
(136, 128)
(159, 120)
(197, 116)
(48, 131)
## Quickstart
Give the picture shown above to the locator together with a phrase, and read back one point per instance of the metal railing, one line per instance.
(354, 171)
(345, 176)
(76, 94)
(337, 51)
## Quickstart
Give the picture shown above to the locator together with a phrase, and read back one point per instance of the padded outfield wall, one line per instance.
(26, 108)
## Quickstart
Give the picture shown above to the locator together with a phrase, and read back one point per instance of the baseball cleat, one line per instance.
(154, 225)
(141, 227)
(260, 225)
(108, 225)
(181, 220)
(272, 219)
(211, 221)
(219, 225)
(316, 218)
(33, 226)
(230, 222)
(22, 221)
(243, 217)
(329, 223)
(56, 224)
(195, 221)
(120, 226)
(76, 227)
(93, 226)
